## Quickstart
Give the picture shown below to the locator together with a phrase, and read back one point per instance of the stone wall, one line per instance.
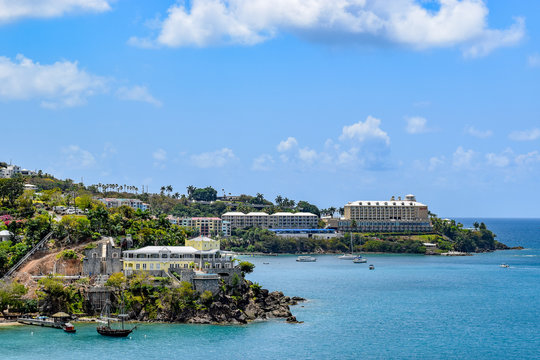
(102, 260)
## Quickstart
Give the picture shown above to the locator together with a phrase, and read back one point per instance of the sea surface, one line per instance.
(409, 307)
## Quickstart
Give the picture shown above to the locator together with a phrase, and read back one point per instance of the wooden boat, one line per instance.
(107, 330)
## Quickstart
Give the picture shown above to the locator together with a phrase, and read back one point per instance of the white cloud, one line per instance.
(534, 60)
(497, 160)
(137, 93)
(481, 134)
(307, 155)
(11, 10)
(527, 159)
(403, 22)
(213, 159)
(462, 158)
(160, 155)
(416, 125)
(287, 145)
(435, 162)
(263, 162)
(59, 84)
(75, 157)
(527, 135)
(367, 130)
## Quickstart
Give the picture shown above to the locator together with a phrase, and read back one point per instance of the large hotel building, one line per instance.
(394, 215)
(280, 220)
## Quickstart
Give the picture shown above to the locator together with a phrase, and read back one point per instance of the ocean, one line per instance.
(409, 307)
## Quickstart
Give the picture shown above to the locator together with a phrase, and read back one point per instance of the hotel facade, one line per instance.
(132, 203)
(394, 215)
(280, 220)
(207, 226)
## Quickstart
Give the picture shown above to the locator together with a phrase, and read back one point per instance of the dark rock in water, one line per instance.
(292, 319)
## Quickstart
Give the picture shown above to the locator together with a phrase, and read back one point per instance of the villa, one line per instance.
(201, 253)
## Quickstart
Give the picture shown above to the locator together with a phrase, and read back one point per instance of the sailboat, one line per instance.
(105, 318)
(350, 256)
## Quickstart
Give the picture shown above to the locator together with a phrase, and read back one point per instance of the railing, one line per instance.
(28, 254)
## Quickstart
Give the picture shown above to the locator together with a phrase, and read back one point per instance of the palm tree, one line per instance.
(279, 200)
(169, 189)
(190, 190)
(162, 190)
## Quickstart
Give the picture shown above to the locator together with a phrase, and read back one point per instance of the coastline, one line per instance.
(10, 323)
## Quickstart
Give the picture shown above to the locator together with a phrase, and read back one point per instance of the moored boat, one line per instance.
(107, 330)
(371, 267)
(359, 260)
(306, 259)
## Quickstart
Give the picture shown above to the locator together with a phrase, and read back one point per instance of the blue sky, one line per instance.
(324, 101)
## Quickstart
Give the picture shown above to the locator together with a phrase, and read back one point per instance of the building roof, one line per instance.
(202, 238)
(205, 218)
(385, 203)
(257, 213)
(6, 233)
(293, 214)
(233, 213)
(171, 249)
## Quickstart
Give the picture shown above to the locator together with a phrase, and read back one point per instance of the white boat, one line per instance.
(504, 265)
(347, 257)
(359, 260)
(306, 259)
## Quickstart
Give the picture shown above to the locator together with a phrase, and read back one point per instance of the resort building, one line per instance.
(394, 215)
(281, 220)
(207, 226)
(202, 253)
(132, 203)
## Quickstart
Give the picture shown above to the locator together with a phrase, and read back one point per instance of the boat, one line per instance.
(107, 330)
(504, 265)
(359, 260)
(371, 267)
(306, 259)
(350, 256)
(69, 328)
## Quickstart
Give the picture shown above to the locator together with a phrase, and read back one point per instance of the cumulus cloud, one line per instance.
(527, 135)
(367, 130)
(213, 159)
(137, 93)
(527, 159)
(497, 160)
(59, 84)
(462, 158)
(11, 10)
(307, 155)
(287, 145)
(481, 134)
(404, 22)
(160, 155)
(263, 162)
(416, 125)
(75, 157)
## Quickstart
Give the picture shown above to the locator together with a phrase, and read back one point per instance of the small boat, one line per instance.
(359, 260)
(69, 328)
(266, 263)
(107, 330)
(347, 257)
(371, 267)
(306, 259)
(504, 265)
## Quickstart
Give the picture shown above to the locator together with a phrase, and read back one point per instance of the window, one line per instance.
(144, 266)
(137, 267)
(115, 255)
(158, 266)
(151, 266)
(94, 255)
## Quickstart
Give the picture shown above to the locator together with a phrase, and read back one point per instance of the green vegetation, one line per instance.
(54, 295)
(11, 296)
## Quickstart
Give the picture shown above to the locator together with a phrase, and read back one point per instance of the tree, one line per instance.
(11, 189)
(190, 190)
(204, 194)
(279, 200)
(246, 267)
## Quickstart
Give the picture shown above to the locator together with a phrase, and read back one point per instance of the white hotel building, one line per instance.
(392, 215)
(280, 220)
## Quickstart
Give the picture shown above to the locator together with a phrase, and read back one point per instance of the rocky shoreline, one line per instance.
(245, 304)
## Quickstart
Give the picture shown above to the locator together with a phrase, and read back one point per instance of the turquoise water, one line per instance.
(408, 307)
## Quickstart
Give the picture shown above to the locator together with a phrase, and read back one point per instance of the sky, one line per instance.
(316, 100)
